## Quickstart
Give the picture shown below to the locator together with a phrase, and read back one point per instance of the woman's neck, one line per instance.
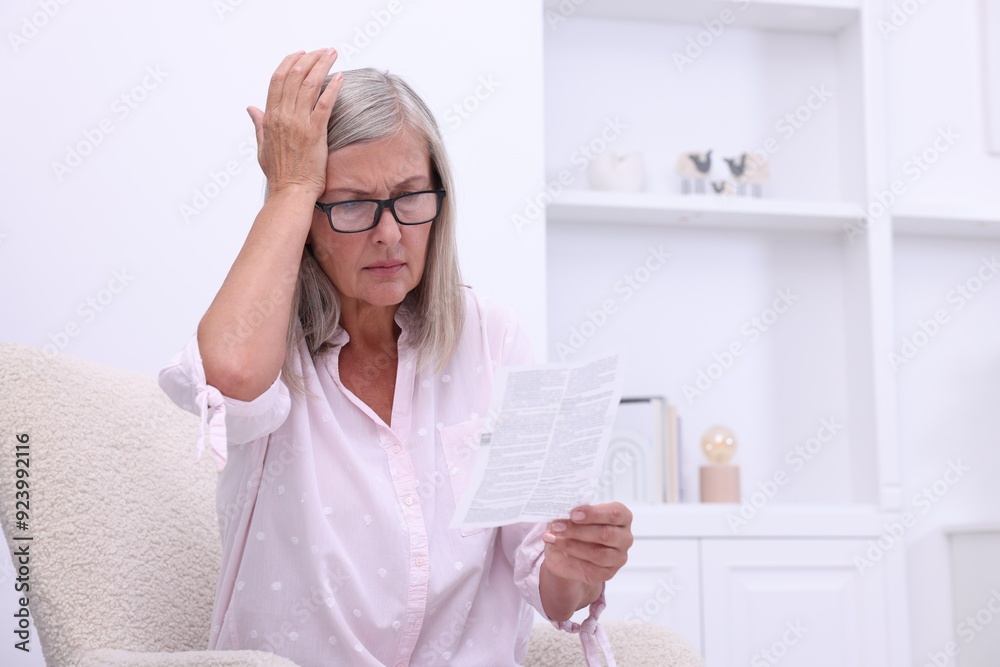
(369, 327)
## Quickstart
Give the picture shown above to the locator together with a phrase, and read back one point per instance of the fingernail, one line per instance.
(577, 515)
(549, 537)
(558, 527)
(337, 76)
(331, 51)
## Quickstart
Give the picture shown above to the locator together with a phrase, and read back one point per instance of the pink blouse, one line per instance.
(336, 548)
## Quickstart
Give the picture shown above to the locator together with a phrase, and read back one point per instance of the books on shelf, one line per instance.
(642, 461)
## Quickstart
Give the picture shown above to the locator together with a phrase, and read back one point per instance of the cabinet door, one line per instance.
(659, 584)
(793, 602)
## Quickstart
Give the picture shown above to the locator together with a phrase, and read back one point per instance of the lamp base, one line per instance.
(719, 483)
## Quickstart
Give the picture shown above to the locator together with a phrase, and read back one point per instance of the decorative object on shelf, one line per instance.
(724, 188)
(694, 170)
(620, 173)
(749, 173)
(641, 462)
(990, 22)
(720, 480)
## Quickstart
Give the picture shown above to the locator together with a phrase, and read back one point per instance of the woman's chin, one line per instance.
(390, 294)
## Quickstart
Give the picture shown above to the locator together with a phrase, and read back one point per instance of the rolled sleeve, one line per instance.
(224, 420)
(523, 542)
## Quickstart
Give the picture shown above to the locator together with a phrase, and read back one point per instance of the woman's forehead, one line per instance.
(404, 155)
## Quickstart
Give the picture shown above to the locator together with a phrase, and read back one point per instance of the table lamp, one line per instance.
(719, 480)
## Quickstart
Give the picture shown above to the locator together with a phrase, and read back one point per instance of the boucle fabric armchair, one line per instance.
(124, 549)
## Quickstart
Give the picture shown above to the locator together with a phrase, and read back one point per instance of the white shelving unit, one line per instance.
(730, 256)
(947, 221)
(701, 212)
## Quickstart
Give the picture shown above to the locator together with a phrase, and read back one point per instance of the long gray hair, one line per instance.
(374, 105)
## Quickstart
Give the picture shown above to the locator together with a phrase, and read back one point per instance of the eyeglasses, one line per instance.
(360, 215)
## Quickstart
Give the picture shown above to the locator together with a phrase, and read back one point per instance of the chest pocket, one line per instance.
(460, 443)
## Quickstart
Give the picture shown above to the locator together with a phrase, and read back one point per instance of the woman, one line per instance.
(342, 370)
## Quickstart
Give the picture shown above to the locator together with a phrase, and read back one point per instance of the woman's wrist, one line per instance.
(562, 597)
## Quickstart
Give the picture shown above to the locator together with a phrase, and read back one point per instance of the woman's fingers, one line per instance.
(593, 544)
(570, 567)
(324, 105)
(291, 91)
(309, 88)
(291, 134)
(257, 117)
(277, 85)
(600, 534)
(600, 555)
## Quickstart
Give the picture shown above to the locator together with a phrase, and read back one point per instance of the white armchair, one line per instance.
(124, 550)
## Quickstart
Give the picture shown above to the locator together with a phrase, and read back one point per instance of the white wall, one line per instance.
(948, 394)
(64, 236)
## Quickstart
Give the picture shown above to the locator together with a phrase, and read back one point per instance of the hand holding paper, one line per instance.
(581, 554)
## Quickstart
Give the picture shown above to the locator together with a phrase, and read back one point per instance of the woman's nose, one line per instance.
(387, 230)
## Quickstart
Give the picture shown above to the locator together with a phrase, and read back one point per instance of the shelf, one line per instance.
(695, 520)
(987, 528)
(946, 221)
(700, 211)
(825, 16)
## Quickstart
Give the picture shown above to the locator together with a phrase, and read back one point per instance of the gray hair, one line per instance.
(373, 105)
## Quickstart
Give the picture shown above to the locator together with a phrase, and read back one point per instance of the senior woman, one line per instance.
(341, 373)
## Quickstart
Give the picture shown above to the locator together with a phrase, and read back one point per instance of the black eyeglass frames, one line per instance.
(360, 215)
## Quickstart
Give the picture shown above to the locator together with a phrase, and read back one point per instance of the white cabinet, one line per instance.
(799, 587)
(793, 601)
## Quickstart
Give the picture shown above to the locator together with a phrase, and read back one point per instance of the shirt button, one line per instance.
(397, 449)
(408, 500)
(418, 561)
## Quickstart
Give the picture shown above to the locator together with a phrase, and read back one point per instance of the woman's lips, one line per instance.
(385, 268)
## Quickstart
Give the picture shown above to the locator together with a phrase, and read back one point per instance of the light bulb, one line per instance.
(718, 444)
